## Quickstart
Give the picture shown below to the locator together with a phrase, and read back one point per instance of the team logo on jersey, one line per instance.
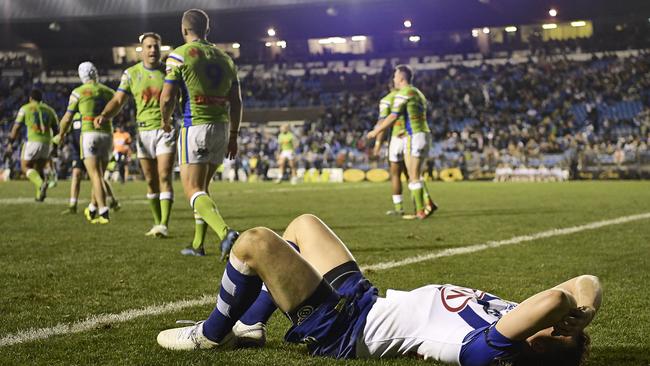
(454, 299)
(194, 52)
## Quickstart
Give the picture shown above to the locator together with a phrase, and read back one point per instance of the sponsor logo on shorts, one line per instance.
(304, 313)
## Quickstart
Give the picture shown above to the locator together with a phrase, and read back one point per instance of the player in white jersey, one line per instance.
(337, 312)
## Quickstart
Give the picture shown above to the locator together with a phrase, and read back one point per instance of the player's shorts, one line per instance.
(33, 150)
(333, 329)
(417, 145)
(202, 144)
(396, 149)
(96, 145)
(287, 154)
(155, 142)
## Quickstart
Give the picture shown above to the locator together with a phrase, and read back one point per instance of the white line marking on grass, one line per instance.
(95, 321)
(495, 244)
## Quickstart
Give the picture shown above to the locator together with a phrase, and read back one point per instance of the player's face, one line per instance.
(397, 78)
(151, 50)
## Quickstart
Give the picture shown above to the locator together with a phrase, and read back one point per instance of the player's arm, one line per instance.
(561, 307)
(168, 98)
(383, 125)
(234, 97)
(113, 107)
(64, 126)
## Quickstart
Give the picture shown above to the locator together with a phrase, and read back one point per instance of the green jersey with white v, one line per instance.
(145, 85)
(39, 119)
(205, 74)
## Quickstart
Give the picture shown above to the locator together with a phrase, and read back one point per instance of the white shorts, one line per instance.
(396, 149)
(417, 145)
(155, 142)
(203, 144)
(96, 145)
(33, 150)
(287, 154)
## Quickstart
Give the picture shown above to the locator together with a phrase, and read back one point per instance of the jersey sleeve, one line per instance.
(399, 103)
(384, 108)
(20, 116)
(485, 345)
(73, 102)
(125, 83)
(172, 67)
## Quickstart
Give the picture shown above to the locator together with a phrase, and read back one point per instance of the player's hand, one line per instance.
(166, 126)
(232, 147)
(575, 321)
(56, 140)
(372, 134)
(99, 121)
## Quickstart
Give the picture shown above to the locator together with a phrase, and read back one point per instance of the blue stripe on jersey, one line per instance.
(471, 318)
(407, 125)
(187, 112)
(175, 58)
(171, 81)
(123, 90)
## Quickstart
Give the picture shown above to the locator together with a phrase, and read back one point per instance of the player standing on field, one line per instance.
(211, 106)
(144, 82)
(410, 103)
(287, 143)
(39, 119)
(96, 140)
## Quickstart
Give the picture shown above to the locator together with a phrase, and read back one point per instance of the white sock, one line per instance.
(397, 198)
(92, 207)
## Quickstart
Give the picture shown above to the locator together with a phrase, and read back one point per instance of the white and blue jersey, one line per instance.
(446, 323)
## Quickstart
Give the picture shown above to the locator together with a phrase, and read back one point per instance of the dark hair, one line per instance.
(196, 21)
(557, 354)
(153, 35)
(36, 94)
(406, 71)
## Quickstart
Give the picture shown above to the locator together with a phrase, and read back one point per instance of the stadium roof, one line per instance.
(20, 10)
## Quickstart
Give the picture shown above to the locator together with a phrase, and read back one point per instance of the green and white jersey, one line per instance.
(286, 140)
(385, 106)
(145, 85)
(39, 118)
(205, 75)
(411, 104)
(90, 99)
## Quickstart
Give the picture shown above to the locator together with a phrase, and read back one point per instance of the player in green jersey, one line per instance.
(288, 143)
(211, 106)
(39, 119)
(410, 103)
(89, 99)
(144, 82)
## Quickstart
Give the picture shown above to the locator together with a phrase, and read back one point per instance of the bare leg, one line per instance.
(150, 172)
(96, 173)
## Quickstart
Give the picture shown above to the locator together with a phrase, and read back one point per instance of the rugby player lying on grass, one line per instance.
(337, 312)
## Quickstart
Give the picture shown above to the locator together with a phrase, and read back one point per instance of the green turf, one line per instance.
(59, 269)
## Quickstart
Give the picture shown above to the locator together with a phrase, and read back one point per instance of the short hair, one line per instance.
(36, 94)
(153, 35)
(196, 21)
(406, 71)
(559, 355)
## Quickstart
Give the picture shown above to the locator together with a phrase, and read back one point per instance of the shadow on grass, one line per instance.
(619, 356)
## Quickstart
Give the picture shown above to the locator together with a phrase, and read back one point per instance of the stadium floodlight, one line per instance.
(549, 26)
(578, 23)
(281, 44)
(236, 45)
(138, 49)
(511, 29)
(268, 44)
(330, 40)
(165, 48)
(552, 12)
(358, 38)
(270, 32)
(486, 30)
(407, 24)
(414, 39)
(475, 33)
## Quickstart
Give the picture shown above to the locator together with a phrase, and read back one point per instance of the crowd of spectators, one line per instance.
(550, 112)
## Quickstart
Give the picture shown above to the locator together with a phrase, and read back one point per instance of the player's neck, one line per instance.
(151, 66)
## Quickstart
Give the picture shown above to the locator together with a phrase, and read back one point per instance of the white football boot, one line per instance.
(249, 335)
(191, 338)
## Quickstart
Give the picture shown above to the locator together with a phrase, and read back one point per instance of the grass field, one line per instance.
(58, 269)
